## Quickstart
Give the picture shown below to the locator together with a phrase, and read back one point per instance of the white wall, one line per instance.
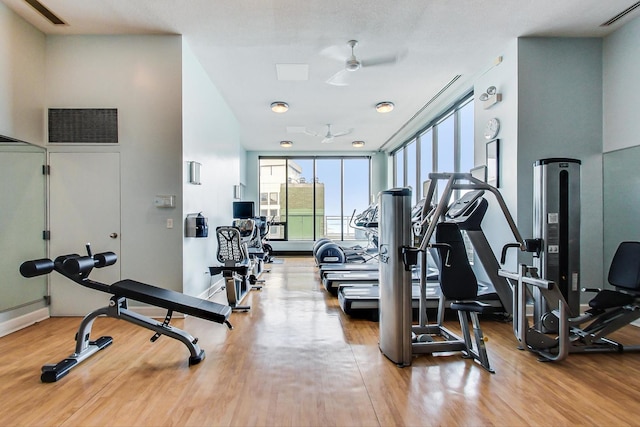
(141, 76)
(22, 49)
(504, 77)
(211, 137)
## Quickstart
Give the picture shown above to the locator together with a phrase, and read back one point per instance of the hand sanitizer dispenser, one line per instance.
(197, 225)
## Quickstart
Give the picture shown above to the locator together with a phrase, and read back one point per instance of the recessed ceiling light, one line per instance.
(279, 107)
(286, 144)
(384, 107)
(358, 144)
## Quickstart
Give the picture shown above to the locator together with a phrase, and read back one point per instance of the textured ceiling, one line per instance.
(240, 42)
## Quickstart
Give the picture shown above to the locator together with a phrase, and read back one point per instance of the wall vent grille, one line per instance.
(45, 12)
(83, 125)
(621, 15)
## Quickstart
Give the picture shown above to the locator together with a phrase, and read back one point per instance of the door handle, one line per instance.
(113, 235)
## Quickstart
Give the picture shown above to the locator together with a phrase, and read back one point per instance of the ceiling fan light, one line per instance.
(357, 144)
(279, 107)
(384, 107)
(286, 144)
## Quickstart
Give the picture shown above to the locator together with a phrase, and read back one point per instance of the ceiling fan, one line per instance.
(352, 63)
(329, 136)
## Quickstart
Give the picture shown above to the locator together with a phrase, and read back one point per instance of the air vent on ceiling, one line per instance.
(83, 125)
(621, 15)
(44, 11)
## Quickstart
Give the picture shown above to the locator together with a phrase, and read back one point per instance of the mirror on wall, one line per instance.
(22, 222)
(621, 205)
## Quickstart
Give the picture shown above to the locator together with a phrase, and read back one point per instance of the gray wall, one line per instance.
(621, 143)
(560, 115)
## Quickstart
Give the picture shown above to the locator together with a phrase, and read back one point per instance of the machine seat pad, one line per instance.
(171, 300)
(609, 299)
(476, 306)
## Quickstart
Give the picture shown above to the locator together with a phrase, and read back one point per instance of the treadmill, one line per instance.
(468, 212)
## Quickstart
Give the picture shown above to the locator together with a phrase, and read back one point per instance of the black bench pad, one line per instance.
(171, 300)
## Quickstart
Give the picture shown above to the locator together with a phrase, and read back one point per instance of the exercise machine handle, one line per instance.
(503, 257)
(36, 267)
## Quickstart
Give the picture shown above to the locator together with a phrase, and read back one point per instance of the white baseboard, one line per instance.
(23, 321)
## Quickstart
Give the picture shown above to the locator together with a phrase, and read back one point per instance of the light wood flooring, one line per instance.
(295, 360)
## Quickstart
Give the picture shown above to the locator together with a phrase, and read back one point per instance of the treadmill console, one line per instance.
(460, 206)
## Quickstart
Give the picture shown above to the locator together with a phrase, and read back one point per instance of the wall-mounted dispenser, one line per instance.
(196, 225)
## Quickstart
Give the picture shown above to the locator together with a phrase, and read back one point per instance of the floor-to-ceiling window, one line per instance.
(316, 196)
(444, 145)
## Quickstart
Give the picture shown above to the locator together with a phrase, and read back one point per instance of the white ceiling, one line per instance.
(239, 43)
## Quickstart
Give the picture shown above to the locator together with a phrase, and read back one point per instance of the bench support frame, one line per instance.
(116, 309)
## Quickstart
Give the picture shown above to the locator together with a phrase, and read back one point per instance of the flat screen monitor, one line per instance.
(243, 210)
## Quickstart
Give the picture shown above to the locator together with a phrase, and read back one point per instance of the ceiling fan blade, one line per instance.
(339, 78)
(346, 132)
(327, 139)
(334, 52)
(311, 133)
(380, 60)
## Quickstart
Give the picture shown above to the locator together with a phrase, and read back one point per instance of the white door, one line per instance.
(84, 208)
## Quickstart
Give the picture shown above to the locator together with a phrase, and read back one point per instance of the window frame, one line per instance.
(432, 126)
(287, 182)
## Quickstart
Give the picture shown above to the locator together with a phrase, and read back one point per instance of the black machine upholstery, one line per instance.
(171, 300)
(230, 245)
(624, 274)
(459, 285)
(457, 280)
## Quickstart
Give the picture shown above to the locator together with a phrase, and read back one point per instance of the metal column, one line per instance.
(556, 220)
(395, 280)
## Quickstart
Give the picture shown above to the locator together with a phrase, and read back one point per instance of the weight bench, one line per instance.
(78, 268)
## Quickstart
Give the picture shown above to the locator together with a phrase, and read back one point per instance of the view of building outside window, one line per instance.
(310, 198)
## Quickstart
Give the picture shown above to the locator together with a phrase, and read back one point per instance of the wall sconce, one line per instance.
(286, 144)
(279, 107)
(194, 173)
(384, 107)
(357, 144)
(490, 98)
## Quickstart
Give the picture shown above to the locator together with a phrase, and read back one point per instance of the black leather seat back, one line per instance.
(625, 267)
(457, 280)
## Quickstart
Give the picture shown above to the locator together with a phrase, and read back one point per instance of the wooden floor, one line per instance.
(297, 360)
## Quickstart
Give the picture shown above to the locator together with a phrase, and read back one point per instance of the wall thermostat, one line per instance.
(164, 201)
